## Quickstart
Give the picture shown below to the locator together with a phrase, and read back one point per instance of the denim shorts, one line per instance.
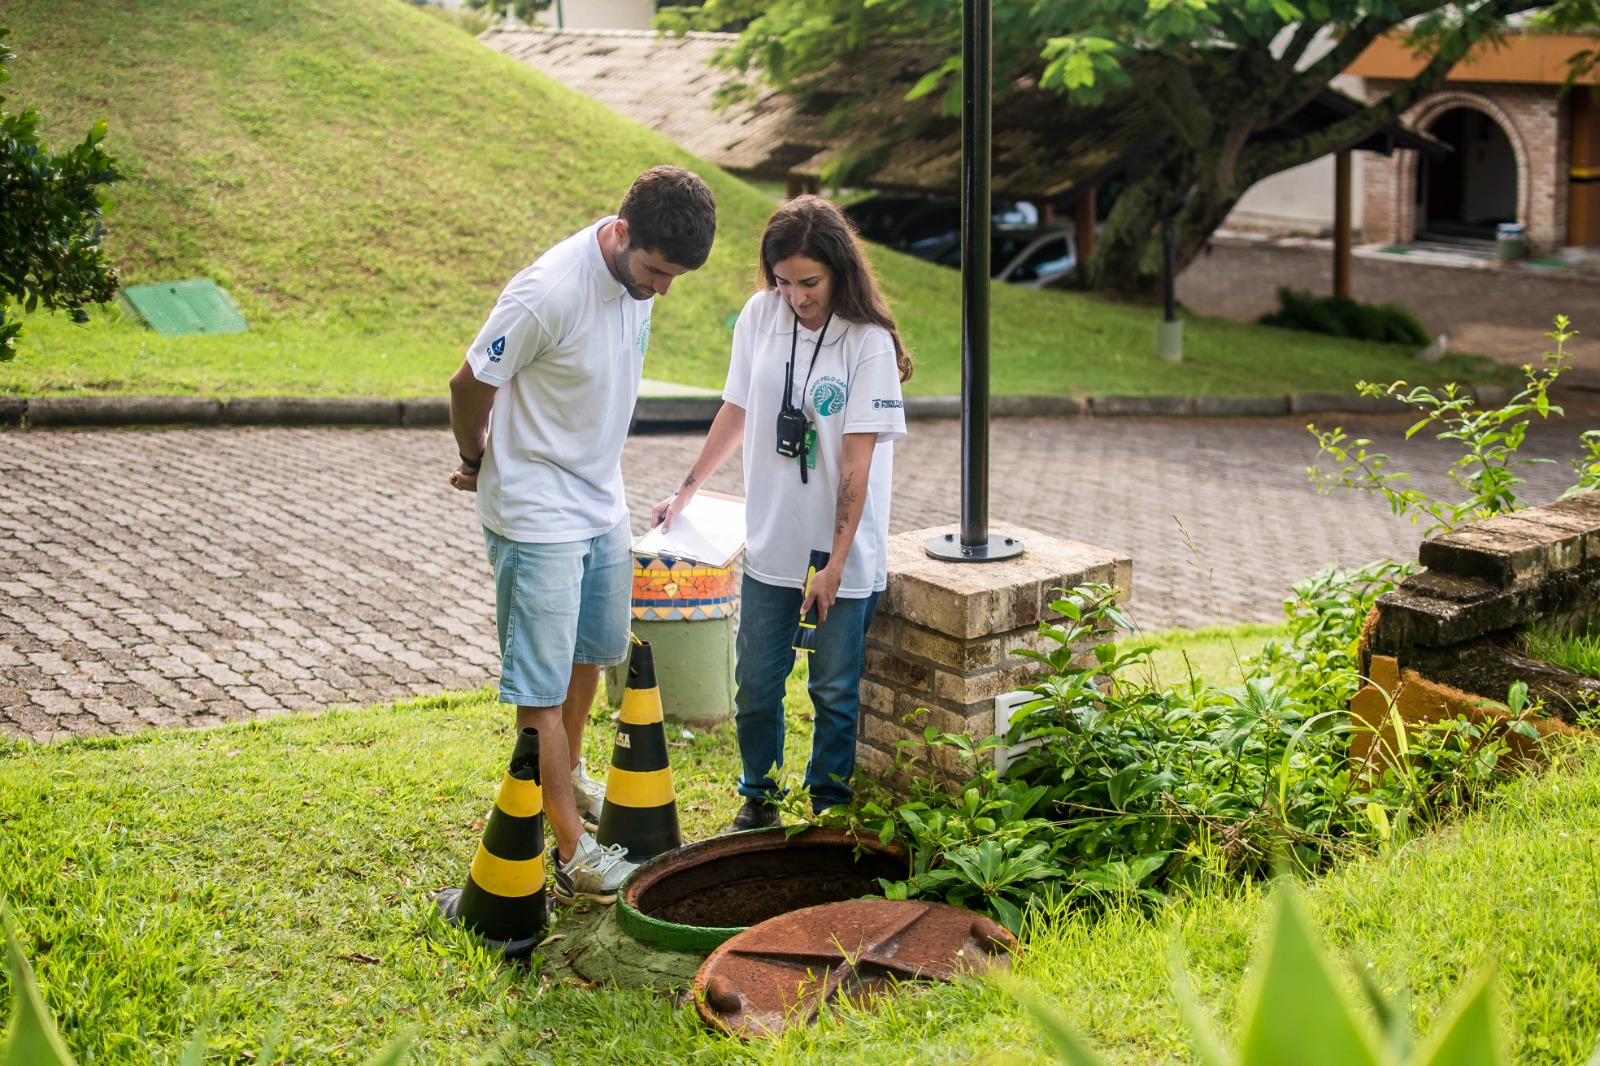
(559, 604)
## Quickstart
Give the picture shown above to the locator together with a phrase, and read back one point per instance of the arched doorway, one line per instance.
(1462, 197)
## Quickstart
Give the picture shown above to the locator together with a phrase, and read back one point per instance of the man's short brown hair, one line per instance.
(670, 211)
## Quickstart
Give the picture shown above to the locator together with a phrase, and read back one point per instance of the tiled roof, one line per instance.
(669, 85)
(1043, 145)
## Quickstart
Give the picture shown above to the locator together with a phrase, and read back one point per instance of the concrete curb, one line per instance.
(123, 410)
(665, 412)
(425, 411)
(652, 412)
(310, 411)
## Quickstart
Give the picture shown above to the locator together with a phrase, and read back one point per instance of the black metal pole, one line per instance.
(977, 66)
(1169, 285)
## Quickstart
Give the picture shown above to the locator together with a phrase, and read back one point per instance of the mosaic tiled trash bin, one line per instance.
(685, 611)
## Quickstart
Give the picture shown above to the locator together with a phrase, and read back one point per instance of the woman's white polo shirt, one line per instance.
(854, 388)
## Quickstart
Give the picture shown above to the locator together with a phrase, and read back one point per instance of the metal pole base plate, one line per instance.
(993, 550)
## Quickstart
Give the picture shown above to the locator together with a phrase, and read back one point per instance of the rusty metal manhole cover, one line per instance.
(789, 969)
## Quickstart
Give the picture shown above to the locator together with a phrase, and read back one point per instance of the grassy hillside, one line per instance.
(363, 178)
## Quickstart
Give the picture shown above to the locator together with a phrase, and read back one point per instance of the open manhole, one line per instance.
(695, 898)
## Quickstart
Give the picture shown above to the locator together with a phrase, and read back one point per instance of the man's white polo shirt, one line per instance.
(567, 342)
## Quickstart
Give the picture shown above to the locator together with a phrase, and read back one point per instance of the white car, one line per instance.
(1031, 258)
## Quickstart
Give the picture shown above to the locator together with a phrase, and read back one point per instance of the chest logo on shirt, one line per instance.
(644, 336)
(827, 395)
(497, 349)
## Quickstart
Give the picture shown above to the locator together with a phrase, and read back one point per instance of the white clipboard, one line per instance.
(710, 530)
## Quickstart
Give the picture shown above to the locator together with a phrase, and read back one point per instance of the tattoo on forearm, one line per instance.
(686, 482)
(846, 503)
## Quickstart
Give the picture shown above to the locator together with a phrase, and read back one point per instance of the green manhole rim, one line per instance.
(673, 936)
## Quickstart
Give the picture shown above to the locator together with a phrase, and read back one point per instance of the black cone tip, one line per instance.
(642, 667)
(525, 757)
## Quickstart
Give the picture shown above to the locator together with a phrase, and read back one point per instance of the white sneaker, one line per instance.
(595, 872)
(589, 795)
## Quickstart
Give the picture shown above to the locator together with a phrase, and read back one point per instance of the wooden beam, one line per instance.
(1341, 223)
(1084, 216)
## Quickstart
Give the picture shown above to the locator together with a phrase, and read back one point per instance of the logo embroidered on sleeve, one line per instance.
(878, 405)
(496, 350)
(644, 336)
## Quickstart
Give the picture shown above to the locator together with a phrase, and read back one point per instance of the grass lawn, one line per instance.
(364, 178)
(170, 878)
(1213, 653)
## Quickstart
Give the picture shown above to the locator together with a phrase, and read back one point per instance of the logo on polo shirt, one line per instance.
(827, 395)
(497, 349)
(878, 404)
(644, 336)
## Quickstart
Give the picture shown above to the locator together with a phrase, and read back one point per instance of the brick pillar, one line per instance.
(939, 651)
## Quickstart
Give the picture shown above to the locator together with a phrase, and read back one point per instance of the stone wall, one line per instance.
(939, 651)
(1444, 642)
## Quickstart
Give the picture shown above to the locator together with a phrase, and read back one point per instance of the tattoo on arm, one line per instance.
(686, 482)
(846, 503)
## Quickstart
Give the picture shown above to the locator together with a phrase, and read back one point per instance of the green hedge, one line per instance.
(1340, 316)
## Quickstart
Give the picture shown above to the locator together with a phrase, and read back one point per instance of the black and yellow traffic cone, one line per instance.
(504, 900)
(641, 810)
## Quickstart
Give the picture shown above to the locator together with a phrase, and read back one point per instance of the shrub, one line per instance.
(1132, 789)
(1340, 316)
(50, 254)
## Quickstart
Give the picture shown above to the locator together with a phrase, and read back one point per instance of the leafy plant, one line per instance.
(1341, 316)
(1586, 466)
(50, 233)
(1295, 1009)
(31, 1038)
(1121, 788)
(1324, 618)
(1489, 440)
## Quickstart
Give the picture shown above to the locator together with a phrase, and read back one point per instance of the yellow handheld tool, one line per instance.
(805, 634)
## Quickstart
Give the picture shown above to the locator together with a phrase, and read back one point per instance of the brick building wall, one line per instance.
(1534, 118)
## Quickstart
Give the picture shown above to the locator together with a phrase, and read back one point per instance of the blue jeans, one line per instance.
(767, 618)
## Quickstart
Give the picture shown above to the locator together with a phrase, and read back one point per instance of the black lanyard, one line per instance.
(788, 374)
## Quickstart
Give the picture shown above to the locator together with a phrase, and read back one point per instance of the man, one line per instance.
(540, 410)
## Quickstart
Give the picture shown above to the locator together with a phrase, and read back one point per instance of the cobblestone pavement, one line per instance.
(1499, 313)
(207, 575)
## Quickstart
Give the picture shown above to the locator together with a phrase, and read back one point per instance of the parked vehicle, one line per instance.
(1032, 258)
(918, 225)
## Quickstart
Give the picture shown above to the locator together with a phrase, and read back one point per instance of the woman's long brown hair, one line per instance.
(817, 229)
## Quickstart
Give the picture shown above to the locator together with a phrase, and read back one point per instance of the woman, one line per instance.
(813, 394)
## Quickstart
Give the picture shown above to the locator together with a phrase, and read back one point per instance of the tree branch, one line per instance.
(1350, 130)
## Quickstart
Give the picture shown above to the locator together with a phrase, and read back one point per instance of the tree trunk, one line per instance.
(1127, 258)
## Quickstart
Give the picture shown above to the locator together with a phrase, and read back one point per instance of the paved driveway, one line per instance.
(1491, 311)
(208, 575)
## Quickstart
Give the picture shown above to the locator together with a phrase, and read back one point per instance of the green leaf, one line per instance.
(1069, 1047)
(1470, 1036)
(31, 1038)
(1008, 913)
(1296, 1012)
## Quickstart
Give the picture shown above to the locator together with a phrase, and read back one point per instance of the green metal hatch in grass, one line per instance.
(175, 308)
